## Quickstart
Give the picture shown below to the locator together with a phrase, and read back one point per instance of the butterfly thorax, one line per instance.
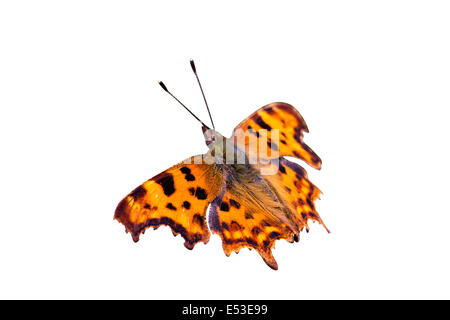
(241, 177)
(224, 150)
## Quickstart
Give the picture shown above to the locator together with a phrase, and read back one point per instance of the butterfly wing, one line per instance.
(293, 188)
(177, 197)
(254, 210)
(291, 126)
(247, 213)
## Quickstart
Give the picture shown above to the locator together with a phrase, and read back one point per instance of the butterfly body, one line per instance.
(255, 195)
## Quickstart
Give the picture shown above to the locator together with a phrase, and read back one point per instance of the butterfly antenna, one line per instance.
(166, 90)
(203, 94)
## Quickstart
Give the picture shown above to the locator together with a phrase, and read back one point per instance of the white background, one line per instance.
(83, 122)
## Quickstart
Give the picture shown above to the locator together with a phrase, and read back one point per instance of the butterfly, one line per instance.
(254, 194)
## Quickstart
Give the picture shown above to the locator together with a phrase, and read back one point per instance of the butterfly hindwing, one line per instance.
(294, 188)
(254, 210)
(289, 139)
(177, 197)
(247, 213)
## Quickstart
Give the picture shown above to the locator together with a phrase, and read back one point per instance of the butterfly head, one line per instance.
(218, 144)
(209, 134)
(214, 140)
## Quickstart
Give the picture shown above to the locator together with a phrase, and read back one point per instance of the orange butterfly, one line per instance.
(256, 196)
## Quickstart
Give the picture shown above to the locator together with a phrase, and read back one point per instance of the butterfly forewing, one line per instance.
(177, 197)
(290, 125)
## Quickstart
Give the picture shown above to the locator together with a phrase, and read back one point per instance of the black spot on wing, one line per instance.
(272, 145)
(248, 215)
(187, 174)
(224, 206)
(198, 219)
(185, 170)
(170, 206)
(235, 226)
(235, 204)
(186, 205)
(200, 193)
(252, 131)
(192, 191)
(166, 182)
(270, 110)
(256, 231)
(274, 235)
(260, 122)
(298, 135)
(137, 193)
(295, 167)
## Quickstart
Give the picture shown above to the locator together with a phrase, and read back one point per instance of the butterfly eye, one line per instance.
(209, 135)
(210, 140)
